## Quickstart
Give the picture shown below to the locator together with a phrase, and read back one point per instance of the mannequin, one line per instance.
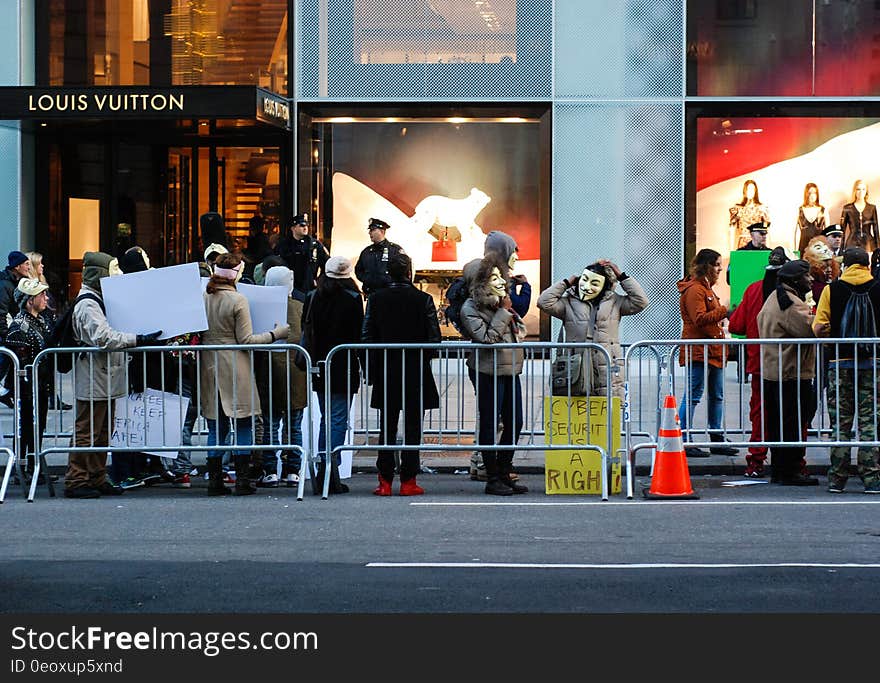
(811, 218)
(859, 220)
(748, 211)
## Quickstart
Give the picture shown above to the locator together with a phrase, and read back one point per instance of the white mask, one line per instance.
(589, 285)
(497, 284)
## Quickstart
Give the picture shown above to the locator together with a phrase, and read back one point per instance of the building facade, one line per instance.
(620, 129)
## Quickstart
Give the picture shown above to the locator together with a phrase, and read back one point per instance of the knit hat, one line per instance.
(794, 269)
(280, 276)
(855, 256)
(501, 243)
(28, 287)
(778, 258)
(16, 258)
(134, 260)
(338, 268)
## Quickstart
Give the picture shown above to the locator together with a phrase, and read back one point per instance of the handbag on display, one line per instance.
(444, 249)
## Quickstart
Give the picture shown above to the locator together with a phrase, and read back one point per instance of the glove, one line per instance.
(281, 331)
(147, 339)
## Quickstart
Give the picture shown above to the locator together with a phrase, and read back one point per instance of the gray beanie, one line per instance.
(501, 243)
(280, 276)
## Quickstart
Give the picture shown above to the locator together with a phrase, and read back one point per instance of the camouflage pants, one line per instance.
(842, 410)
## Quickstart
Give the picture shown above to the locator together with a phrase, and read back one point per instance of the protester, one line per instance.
(503, 247)
(488, 318)
(823, 266)
(851, 389)
(98, 379)
(744, 322)
(335, 313)
(303, 254)
(228, 394)
(590, 310)
(703, 316)
(263, 267)
(26, 337)
(18, 267)
(283, 396)
(52, 309)
(402, 380)
(257, 242)
(789, 369)
(372, 264)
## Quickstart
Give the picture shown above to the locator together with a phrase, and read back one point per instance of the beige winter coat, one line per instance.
(98, 375)
(229, 322)
(795, 322)
(561, 301)
(484, 323)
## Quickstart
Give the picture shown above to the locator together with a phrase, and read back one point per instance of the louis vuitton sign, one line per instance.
(189, 102)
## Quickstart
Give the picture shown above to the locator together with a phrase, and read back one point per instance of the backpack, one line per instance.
(858, 320)
(62, 336)
(456, 295)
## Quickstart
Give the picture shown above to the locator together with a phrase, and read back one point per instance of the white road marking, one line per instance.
(652, 565)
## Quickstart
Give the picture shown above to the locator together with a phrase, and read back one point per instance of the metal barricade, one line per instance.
(102, 381)
(454, 423)
(811, 398)
(13, 455)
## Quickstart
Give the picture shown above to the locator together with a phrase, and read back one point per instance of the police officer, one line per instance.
(372, 265)
(834, 235)
(758, 231)
(303, 254)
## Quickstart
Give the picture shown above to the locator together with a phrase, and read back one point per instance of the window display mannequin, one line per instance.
(811, 218)
(747, 212)
(859, 220)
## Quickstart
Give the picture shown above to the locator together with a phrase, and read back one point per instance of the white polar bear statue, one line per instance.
(452, 213)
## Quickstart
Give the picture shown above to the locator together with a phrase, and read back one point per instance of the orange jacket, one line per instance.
(701, 315)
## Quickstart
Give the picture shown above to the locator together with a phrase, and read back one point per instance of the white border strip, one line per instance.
(522, 565)
(653, 503)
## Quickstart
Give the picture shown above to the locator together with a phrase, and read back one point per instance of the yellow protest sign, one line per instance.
(579, 420)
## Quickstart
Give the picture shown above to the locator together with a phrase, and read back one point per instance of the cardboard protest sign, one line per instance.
(168, 299)
(151, 418)
(268, 305)
(579, 420)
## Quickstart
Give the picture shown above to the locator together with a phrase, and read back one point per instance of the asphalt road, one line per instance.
(761, 548)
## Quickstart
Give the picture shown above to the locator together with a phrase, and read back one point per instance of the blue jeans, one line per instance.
(244, 435)
(292, 435)
(183, 464)
(692, 397)
(340, 405)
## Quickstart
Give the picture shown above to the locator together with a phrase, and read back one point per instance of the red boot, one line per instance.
(384, 487)
(410, 488)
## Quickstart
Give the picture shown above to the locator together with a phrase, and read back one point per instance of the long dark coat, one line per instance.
(336, 319)
(401, 314)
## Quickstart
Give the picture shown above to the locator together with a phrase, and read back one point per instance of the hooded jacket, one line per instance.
(8, 307)
(503, 245)
(485, 322)
(562, 301)
(701, 315)
(98, 375)
(795, 322)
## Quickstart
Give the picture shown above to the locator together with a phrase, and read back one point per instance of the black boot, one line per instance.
(495, 486)
(215, 478)
(721, 450)
(505, 467)
(336, 485)
(243, 484)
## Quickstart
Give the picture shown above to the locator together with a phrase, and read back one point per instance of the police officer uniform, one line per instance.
(372, 265)
(838, 231)
(305, 256)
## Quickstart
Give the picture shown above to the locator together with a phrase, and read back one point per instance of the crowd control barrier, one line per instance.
(13, 372)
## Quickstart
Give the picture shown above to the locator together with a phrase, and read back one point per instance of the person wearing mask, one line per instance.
(789, 369)
(372, 264)
(229, 399)
(304, 254)
(18, 266)
(335, 312)
(283, 396)
(488, 318)
(98, 380)
(590, 310)
(27, 336)
(703, 317)
(402, 380)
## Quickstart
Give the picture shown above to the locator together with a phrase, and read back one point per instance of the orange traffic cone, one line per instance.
(671, 478)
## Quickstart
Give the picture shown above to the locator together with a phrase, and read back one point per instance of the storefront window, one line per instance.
(442, 183)
(164, 42)
(783, 48)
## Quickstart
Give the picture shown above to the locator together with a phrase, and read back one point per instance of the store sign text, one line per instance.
(127, 102)
(276, 110)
